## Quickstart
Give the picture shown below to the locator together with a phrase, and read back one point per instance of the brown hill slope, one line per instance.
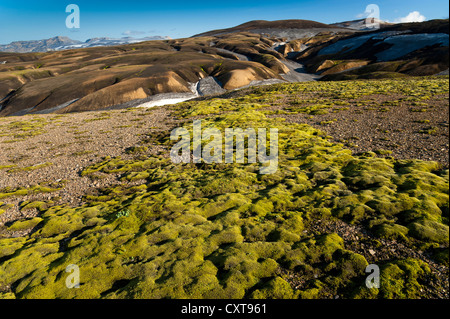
(96, 78)
(393, 51)
(271, 27)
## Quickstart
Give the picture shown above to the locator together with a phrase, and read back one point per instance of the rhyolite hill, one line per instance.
(64, 43)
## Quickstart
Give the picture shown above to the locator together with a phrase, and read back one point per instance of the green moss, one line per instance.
(429, 230)
(22, 129)
(7, 166)
(441, 255)
(59, 221)
(30, 168)
(432, 130)
(262, 207)
(383, 152)
(258, 231)
(35, 189)
(25, 224)
(401, 279)
(327, 122)
(349, 265)
(276, 288)
(136, 149)
(102, 117)
(391, 231)
(312, 293)
(7, 295)
(80, 153)
(39, 205)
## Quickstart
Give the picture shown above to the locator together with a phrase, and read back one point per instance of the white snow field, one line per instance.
(401, 43)
(167, 101)
(406, 43)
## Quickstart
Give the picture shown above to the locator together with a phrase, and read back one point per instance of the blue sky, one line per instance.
(33, 20)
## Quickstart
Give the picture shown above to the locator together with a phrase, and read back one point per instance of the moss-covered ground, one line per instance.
(218, 230)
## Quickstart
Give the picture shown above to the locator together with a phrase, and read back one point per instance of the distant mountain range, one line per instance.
(295, 29)
(287, 29)
(361, 24)
(59, 43)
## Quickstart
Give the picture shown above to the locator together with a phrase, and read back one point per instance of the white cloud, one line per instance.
(132, 32)
(414, 16)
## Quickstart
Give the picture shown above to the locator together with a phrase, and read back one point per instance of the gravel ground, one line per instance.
(72, 142)
(358, 240)
(399, 130)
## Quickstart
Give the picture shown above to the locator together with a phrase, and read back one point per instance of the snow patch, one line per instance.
(165, 102)
(404, 44)
(356, 42)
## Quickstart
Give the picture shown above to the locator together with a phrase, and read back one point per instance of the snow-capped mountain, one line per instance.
(63, 43)
(363, 24)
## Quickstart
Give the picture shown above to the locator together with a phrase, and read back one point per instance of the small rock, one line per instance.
(372, 252)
